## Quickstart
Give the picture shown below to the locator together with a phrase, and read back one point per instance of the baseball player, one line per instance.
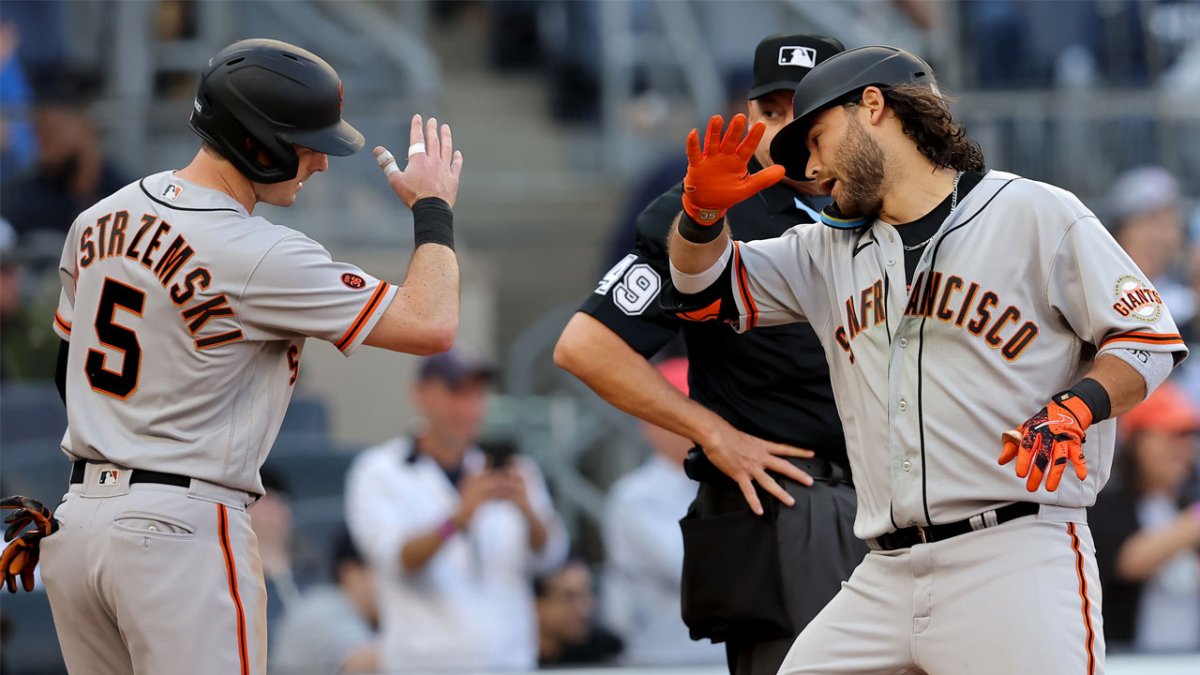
(771, 385)
(186, 316)
(967, 316)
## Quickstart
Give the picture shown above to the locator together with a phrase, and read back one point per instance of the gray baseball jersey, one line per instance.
(1015, 296)
(187, 318)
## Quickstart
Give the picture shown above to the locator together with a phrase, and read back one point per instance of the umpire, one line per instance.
(752, 582)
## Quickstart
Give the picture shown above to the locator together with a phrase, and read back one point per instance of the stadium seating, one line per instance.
(31, 646)
(29, 411)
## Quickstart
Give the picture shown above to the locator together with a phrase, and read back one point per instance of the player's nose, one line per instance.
(320, 161)
(812, 167)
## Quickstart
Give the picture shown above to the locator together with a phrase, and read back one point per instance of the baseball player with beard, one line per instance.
(970, 318)
(184, 317)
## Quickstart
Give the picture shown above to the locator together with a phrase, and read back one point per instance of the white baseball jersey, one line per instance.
(187, 318)
(1012, 300)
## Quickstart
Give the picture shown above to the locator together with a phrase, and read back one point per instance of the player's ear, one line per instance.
(874, 103)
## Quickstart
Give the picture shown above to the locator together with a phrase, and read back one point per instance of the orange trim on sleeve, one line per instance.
(361, 320)
(231, 572)
(1145, 337)
(744, 288)
(62, 323)
(708, 313)
(1083, 595)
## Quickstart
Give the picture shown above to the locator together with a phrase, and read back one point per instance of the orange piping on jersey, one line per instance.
(744, 288)
(231, 572)
(1143, 337)
(1087, 604)
(62, 323)
(712, 311)
(363, 316)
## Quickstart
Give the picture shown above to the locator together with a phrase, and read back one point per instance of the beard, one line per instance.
(861, 173)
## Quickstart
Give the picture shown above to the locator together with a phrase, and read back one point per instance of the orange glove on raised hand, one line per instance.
(1047, 441)
(717, 177)
(20, 557)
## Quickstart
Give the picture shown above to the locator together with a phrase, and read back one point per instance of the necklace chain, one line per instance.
(953, 204)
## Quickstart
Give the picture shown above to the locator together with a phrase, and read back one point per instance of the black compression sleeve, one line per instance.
(433, 222)
(60, 372)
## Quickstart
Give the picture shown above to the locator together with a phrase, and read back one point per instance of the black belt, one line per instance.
(911, 536)
(135, 476)
(700, 468)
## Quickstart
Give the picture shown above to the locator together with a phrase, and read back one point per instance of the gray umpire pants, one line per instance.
(818, 551)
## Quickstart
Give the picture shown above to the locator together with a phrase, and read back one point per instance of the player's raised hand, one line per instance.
(432, 168)
(717, 177)
(747, 459)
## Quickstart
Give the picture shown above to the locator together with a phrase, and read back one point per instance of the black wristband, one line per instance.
(433, 222)
(697, 233)
(1094, 396)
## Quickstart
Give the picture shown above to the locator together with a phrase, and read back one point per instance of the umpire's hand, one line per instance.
(747, 459)
(433, 165)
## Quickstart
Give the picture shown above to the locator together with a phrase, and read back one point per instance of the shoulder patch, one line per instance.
(354, 281)
(1136, 299)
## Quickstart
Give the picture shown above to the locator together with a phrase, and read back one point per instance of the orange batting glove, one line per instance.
(717, 177)
(20, 557)
(1045, 443)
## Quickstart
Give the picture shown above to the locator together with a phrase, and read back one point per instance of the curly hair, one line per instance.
(925, 118)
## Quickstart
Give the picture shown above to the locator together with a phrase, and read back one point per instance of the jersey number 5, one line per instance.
(121, 384)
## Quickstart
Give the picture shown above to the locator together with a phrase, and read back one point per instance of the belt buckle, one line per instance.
(921, 534)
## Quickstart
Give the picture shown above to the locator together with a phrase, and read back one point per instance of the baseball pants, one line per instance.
(1020, 597)
(150, 578)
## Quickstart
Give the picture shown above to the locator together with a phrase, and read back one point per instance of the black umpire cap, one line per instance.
(781, 61)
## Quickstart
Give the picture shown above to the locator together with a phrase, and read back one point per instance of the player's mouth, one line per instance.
(827, 185)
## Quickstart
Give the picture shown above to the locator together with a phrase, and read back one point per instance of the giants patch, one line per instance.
(1136, 299)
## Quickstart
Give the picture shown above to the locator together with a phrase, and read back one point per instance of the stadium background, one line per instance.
(562, 110)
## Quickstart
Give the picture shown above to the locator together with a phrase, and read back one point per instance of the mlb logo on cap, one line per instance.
(805, 57)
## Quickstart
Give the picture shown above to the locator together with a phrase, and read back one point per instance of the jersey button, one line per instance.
(891, 261)
(903, 343)
(906, 465)
(903, 405)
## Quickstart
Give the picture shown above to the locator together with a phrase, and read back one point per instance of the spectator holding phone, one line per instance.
(455, 532)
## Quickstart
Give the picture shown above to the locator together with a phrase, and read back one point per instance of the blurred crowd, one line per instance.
(452, 554)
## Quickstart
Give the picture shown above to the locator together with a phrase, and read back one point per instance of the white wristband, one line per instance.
(694, 283)
(1154, 367)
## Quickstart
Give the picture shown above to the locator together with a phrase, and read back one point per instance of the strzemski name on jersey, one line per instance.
(948, 298)
(148, 241)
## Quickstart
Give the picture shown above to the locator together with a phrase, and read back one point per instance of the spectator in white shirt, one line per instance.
(332, 628)
(645, 551)
(456, 536)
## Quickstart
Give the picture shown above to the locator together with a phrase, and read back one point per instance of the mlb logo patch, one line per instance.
(108, 477)
(805, 57)
(172, 192)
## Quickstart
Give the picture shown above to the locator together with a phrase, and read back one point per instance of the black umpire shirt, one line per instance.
(771, 382)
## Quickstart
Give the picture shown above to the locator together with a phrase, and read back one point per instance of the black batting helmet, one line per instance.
(261, 96)
(830, 83)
